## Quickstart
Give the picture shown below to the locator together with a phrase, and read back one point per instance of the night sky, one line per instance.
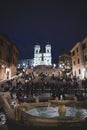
(60, 22)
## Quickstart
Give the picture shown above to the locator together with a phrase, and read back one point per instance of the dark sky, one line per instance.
(60, 22)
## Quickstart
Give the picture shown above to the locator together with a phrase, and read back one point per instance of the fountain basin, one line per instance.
(75, 114)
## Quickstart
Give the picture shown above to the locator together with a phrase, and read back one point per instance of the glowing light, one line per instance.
(23, 64)
(2, 66)
(7, 70)
(54, 65)
(83, 73)
(60, 66)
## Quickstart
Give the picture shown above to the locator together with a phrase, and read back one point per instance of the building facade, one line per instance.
(25, 63)
(65, 64)
(79, 59)
(8, 58)
(42, 58)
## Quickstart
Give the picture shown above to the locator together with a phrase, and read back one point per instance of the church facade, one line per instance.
(42, 58)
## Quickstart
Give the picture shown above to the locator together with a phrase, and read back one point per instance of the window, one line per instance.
(73, 53)
(36, 51)
(83, 46)
(74, 63)
(8, 59)
(85, 57)
(79, 71)
(47, 51)
(9, 49)
(78, 60)
(77, 49)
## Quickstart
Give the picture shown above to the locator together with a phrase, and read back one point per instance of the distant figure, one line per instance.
(49, 104)
(61, 94)
(79, 95)
(54, 94)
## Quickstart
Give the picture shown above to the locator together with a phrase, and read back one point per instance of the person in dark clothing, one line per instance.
(79, 95)
(54, 94)
(60, 93)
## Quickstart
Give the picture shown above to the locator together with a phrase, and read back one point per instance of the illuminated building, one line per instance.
(65, 64)
(79, 59)
(8, 58)
(42, 58)
(25, 63)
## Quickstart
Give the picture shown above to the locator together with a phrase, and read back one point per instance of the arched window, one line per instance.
(47, 51)
(36, 51)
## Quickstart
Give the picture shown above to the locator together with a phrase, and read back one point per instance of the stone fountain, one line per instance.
(56, 113)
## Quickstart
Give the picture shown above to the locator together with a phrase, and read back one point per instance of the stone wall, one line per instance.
(4, 99)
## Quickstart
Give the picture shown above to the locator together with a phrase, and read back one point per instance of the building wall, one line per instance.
(65, 64)
(24, 63)
(8, 57)
(79, 64)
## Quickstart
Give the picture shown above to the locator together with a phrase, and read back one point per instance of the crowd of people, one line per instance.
(27, 86)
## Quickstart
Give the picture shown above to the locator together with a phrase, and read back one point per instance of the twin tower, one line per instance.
(41, 57)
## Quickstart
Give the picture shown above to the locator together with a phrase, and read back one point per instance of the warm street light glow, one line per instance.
(83, 73)
(7, 70)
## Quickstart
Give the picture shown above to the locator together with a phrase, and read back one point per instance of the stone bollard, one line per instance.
(75, 98)
(37, 99)
(56, 98)
(49, 104)
(61, 97)
(16, 113)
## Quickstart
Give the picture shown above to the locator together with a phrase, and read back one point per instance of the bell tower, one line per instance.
(36, 54)
(36, 49)
(48, 48)
(48, 54)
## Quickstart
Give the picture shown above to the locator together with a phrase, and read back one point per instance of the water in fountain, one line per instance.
(53, 112)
